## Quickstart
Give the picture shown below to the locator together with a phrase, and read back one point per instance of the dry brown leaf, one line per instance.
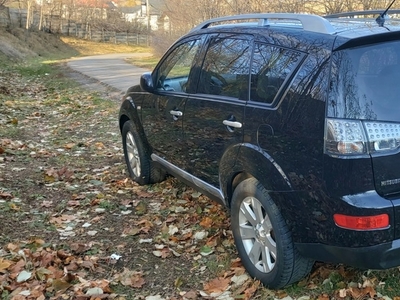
(356, 293)
(73, 203)
(15, 269)
(47, 259)
(12, 247)
(5, 195)
(217, 285)
(249, 293)
(69, 146)
(4, 264)
(280, 294)
(206, 222)
(60, 284)
(191, 295)
(369, 290)
(137, 281)
(79, 248)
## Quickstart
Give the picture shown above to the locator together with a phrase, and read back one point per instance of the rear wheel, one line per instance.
(137, 159)
(263, 239)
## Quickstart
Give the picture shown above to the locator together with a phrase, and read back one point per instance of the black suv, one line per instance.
(291, 121)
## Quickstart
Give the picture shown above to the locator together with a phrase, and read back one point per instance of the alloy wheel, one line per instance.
(257, 235)
(133, 154)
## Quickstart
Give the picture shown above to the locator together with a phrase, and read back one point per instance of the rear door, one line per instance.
(213, 119)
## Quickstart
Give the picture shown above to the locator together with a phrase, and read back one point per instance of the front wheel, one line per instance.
(137, 159)
(263, 239)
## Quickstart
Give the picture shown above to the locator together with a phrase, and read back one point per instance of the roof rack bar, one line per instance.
(362, 13)
(309, 22)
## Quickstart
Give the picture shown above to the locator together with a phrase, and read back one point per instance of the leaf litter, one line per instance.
(75, 227)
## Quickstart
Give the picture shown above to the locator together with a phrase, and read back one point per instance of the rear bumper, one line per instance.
(382, 256)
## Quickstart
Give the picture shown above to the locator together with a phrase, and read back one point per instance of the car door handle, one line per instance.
(176, 113)
(233, 124)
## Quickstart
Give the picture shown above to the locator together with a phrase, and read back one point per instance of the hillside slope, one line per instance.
(18, 44)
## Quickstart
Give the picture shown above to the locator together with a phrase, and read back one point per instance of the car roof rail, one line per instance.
(362, 13)
(309, 22)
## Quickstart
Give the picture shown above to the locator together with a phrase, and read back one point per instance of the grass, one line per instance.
(145, 62)
(86, 47)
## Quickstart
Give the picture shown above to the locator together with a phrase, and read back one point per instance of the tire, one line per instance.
(137, 159)
(263, 239)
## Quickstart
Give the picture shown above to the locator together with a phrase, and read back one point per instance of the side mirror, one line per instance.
(146, 82)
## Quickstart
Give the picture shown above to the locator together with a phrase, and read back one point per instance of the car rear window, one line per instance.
(365, 83)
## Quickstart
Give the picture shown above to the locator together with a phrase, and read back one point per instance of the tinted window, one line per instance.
(225, 69)
(174, 71)
(365, 83)
(271, 66)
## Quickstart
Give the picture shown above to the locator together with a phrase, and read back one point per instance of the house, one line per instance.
(147, 13)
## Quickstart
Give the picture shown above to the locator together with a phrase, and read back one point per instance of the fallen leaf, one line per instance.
(131, 278)
(249, 293)
(24, 276)
(217, 285)
(206, 222)
(5, 195)
(60, 284)
(342, 293)
(69, 146)
(4, 264)
(94, 291)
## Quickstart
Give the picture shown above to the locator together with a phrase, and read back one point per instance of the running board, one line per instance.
(198, 184)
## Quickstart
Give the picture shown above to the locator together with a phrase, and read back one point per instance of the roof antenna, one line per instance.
(382, 17)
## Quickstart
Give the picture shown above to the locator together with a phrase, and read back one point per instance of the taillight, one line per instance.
(355, 137)
(362, 222)
(344, 137)
(382, 136)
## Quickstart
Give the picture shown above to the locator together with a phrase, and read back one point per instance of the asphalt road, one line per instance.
(110, 69)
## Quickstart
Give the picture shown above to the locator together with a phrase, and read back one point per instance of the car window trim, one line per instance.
(223, 35)
(280, 95)
(154, 73)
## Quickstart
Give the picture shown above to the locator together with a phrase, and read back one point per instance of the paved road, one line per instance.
(111, 69)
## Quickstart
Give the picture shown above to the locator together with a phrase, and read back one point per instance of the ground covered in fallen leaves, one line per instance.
(73, 226)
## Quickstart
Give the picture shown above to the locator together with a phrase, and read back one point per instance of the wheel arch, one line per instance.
(129, 112)
(249, 161)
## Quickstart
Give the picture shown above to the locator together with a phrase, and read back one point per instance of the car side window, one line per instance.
(173, 73)
(270, 68)
(226, 67)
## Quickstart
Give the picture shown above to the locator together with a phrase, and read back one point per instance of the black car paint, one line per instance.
(282, 148)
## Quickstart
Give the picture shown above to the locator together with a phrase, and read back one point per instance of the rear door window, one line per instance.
(270, 70)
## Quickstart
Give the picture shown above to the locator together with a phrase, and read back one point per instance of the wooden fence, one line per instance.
(17, 18)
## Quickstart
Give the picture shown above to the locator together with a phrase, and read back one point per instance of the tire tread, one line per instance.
(295, 266)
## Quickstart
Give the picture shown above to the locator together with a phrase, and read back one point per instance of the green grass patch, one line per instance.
(144, 62)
